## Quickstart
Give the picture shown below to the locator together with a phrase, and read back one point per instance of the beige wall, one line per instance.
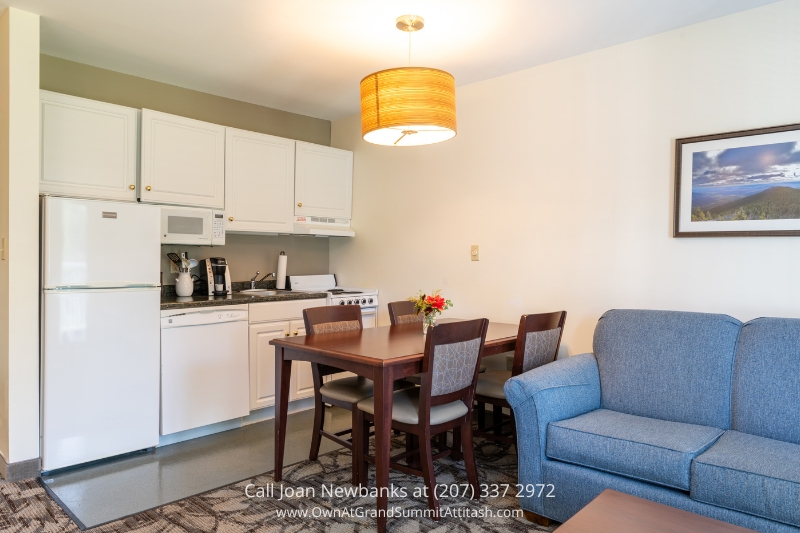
(77, 79)
(247, 254)
(563, 175)
(19, 225)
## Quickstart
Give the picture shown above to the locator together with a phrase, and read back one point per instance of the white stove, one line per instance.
(367, 299)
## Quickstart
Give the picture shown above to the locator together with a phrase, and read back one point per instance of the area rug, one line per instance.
(317, 496)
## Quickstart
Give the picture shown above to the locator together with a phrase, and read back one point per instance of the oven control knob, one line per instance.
(370, 300)
(341, 302)
(363, 300)
(349, 302)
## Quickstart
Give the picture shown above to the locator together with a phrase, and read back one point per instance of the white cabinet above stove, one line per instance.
(323, 183)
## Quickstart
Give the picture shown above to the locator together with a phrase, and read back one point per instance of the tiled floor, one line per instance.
(108, 491)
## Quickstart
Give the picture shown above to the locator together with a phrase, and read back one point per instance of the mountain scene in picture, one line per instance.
(749, 183)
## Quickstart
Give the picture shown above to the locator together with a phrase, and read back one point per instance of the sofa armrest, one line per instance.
(557, 391)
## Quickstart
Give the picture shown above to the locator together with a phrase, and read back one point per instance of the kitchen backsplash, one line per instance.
(247, 254)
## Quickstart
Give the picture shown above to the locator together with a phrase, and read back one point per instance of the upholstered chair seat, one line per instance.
(350, 389)
(405, 408)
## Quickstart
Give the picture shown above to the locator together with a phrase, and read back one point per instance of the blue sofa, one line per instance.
(692, 410)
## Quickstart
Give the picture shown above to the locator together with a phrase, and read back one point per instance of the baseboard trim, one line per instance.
(20, 470)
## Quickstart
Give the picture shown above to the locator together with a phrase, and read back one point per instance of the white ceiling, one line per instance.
(308, 56)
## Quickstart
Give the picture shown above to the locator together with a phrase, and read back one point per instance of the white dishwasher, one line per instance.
(204, 366)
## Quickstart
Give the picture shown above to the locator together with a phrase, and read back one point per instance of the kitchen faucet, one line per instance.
(253, 281)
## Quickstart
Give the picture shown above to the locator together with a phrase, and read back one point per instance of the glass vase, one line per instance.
(428, 322)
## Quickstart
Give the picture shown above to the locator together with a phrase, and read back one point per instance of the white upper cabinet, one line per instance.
(259, 182)
(88, 148)
(323, 181)
(183, 161)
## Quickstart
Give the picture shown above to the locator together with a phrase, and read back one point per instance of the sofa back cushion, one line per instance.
(668, 365)
(766, 383)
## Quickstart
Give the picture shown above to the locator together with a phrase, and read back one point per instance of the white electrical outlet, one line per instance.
(473, 253)
(173, 268)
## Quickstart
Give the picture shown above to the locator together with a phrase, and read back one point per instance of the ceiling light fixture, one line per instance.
(408, 106)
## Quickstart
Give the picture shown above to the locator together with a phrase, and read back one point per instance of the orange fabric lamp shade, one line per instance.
(408, 106)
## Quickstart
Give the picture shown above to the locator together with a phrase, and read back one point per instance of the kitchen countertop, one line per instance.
(237, 298)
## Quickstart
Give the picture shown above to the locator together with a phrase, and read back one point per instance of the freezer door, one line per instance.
(91, 243)
(100, 374)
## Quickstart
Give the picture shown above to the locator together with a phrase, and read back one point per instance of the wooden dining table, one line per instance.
(382, 354)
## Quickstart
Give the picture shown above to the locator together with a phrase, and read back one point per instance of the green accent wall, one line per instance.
(68, 77)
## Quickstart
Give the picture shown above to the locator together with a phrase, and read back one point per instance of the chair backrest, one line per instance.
(402, 312)
(538, 340)
(450, 364)
(332, 318)
(766, 379)
(668, 365)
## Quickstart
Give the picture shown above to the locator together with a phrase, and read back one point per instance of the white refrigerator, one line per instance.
(100, 329)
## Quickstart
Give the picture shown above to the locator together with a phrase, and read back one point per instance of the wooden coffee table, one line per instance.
(615, 512)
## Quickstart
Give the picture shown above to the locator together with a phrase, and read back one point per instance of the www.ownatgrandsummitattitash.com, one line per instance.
(443, 492)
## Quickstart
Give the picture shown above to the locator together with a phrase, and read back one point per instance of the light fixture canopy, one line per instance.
(408, 106)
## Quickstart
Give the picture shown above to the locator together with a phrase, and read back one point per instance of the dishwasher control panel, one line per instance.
(203, 316)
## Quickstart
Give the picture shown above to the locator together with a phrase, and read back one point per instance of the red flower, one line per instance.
(436, 302)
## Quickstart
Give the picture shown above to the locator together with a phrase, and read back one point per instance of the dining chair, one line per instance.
(342, 392)
(442, 402)
(538, 340)
(402, 312)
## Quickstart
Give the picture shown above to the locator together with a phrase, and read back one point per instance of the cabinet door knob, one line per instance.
(230, 218)
(287, 333)
(131, 187)
(300, 204)
(149, 188)
(295, 333)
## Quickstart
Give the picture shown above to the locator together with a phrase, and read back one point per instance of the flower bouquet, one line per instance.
(430, 305)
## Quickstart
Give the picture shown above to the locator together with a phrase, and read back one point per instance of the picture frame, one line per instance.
(738, 184)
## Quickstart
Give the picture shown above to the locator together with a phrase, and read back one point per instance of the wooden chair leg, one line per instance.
(481, 416)
(362, 448)
(497, 417)
(536, 519)
(426, 458)
(319, 421)
(355, 439)
(469, 457)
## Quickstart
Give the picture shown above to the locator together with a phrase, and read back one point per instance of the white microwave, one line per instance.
(193, 226)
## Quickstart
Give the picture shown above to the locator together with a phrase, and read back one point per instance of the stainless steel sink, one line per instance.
(259, 292)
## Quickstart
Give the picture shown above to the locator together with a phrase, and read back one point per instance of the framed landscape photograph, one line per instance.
(740, 184)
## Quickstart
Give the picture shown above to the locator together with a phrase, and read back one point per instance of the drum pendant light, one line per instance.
(408, 106)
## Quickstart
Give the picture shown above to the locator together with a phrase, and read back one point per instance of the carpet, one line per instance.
(25, 506)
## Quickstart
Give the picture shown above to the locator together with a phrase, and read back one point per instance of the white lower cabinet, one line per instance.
(271, 320)
(262, 362)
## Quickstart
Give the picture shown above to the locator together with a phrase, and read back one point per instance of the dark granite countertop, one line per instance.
(186, 302)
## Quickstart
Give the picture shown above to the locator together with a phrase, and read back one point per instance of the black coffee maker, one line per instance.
(217, 275)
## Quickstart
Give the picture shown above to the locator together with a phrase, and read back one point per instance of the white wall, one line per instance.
(19, 225)
(563, 174)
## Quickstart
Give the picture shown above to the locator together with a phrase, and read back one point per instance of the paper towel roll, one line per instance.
(281, 277)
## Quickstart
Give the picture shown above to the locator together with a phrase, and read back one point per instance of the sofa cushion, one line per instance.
(766, 383)
(668, 365)
(750, 474)
(652, 450)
